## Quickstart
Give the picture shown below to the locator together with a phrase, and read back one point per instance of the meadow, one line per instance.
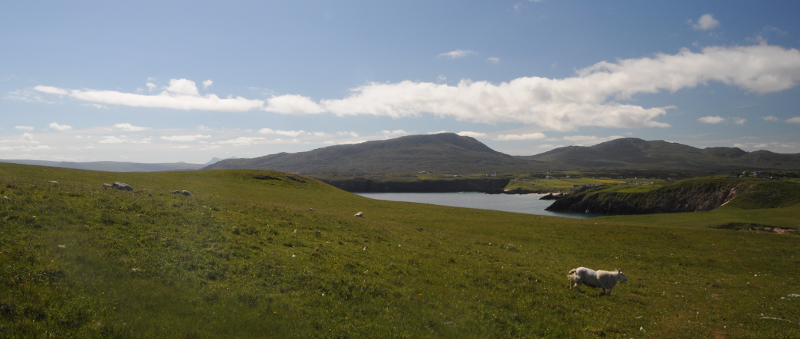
(254, 253)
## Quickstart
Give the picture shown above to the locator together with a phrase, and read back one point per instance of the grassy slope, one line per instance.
(460, 275)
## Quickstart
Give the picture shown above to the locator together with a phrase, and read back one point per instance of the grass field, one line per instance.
(243, 256)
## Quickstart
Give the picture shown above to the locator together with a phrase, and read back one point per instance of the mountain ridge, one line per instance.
(454, 154)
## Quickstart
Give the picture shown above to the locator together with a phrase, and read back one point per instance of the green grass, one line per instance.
(245, 257)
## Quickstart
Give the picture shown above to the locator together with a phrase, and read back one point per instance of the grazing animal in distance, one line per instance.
(595, 279)
(359, 214)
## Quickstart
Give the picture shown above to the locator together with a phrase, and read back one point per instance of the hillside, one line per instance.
(244, 256)
(112, 166)
(453, 154)
(633, 153)
(693, 195)
(439, 153)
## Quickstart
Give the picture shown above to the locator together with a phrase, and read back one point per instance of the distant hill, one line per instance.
(215, 160)
(112, 166)
(634, 153)
(437, 153)
(451, 153)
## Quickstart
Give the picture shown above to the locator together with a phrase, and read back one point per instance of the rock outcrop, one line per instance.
(679, 198)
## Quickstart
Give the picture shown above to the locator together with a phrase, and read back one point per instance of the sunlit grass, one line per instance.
(246, 257)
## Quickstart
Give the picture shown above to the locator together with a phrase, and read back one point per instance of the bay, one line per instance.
(518, 203)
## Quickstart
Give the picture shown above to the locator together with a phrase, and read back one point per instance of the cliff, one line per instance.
(688, 196)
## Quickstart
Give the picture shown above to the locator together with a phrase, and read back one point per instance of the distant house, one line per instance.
(623, 182)
(576, 186)
(549, 177)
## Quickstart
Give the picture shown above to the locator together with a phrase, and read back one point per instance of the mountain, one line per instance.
(112, 166)
(213, 160)
(437, 153)
(634, 153)
(454, 154)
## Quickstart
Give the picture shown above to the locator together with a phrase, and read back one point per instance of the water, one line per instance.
(528, 203)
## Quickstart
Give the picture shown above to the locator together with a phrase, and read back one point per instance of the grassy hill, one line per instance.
(243, 256)
(449, 153)
(112, 166)
(692, 195)
(634, 153)
(439, 153)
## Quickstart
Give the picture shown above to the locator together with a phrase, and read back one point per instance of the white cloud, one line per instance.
(583, 100)
(711, 120)
(293, 104)
(186, 137)
(280, 132)
(27, 96)
(241, 141)
(770, 118)
(588, 140)
(180, 94)
(112, 140)
(58, 127)
(393, 134)
(794, 120)
(739, 121)
(526, 136)
(441, 78)
(472, 134)
(705, 23)
(348, 133)
(459, 53)
(207, 83)
(593, 97)
(493, 60)
(203, 128)
(151, 86)
(24, 128)
(27, 138)
(129, 128)
(98, 106)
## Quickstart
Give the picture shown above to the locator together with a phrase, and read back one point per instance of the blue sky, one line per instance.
(188, 81)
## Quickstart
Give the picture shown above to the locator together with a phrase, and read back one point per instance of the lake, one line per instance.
(519, 203)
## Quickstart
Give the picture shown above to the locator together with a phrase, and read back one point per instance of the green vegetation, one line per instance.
(691, 195)
(243, 256)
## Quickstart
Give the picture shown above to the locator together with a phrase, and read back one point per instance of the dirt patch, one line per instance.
(739, 226)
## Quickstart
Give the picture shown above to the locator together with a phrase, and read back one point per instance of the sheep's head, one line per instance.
(621, 276)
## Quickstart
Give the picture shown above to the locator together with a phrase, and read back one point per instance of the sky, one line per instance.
(188, 81)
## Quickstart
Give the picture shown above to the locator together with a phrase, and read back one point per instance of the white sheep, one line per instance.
(594, 279)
